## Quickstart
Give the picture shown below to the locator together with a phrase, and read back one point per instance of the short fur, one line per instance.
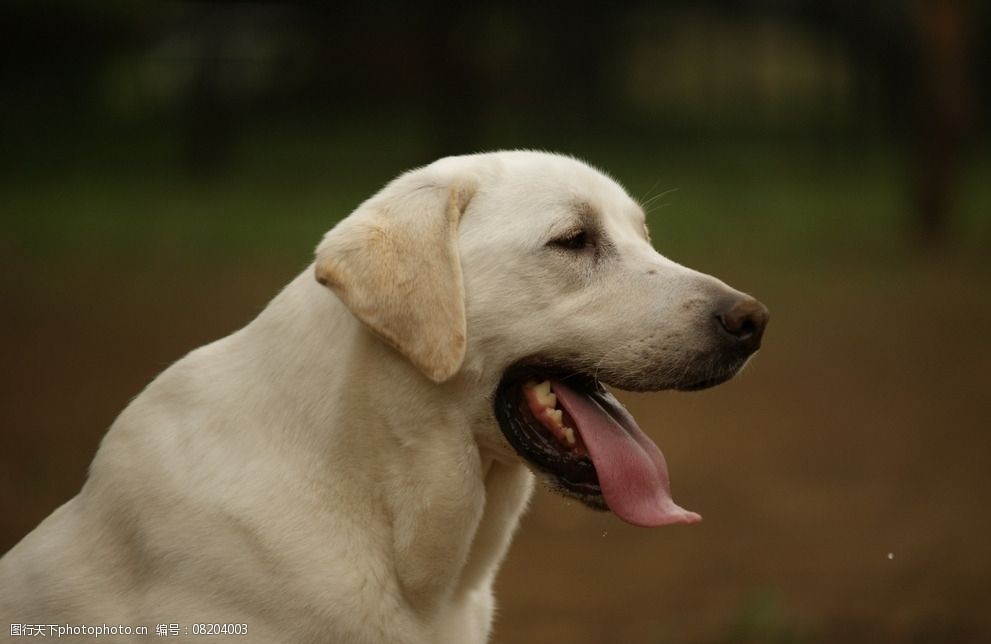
(305, 478)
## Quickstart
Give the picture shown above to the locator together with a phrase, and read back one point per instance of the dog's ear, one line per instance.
(394, 263)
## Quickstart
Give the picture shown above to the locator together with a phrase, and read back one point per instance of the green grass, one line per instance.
(722, 200)
(760, 620)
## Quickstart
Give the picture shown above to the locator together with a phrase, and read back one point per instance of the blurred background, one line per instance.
(167, 167)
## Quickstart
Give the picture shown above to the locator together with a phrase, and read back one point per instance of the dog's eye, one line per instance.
(575, 240)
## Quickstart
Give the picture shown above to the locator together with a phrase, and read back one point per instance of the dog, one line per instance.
(351, 466)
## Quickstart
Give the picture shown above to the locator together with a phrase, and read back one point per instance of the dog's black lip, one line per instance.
(542, 369)
(704, 384)
(571, 474)
(724, 372)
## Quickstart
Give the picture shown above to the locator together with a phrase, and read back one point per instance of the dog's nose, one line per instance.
(744, 319)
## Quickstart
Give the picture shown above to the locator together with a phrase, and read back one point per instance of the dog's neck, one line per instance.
(406, 443)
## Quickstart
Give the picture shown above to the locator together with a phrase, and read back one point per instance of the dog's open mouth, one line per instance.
(575, 431)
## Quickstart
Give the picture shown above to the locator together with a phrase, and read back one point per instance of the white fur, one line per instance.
(302, 477)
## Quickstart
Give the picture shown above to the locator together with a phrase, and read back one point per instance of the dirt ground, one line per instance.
(845, 478)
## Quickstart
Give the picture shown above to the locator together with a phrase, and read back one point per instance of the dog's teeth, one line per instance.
(569, 435)
(542, 389)
(552, 417)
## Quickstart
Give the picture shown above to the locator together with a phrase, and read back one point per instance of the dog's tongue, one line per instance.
(632, 472)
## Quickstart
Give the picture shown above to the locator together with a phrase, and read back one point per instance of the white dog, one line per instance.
(351, 466)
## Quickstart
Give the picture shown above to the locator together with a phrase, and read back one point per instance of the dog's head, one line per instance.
(534, 274)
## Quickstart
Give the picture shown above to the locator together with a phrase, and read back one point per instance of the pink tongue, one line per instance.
(632, 472)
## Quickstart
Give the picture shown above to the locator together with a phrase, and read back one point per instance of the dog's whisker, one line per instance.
(647, 195)
(646, 204)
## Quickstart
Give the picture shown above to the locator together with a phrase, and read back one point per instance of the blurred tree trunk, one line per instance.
(940, 113)
(452, 86)
(209, 122)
